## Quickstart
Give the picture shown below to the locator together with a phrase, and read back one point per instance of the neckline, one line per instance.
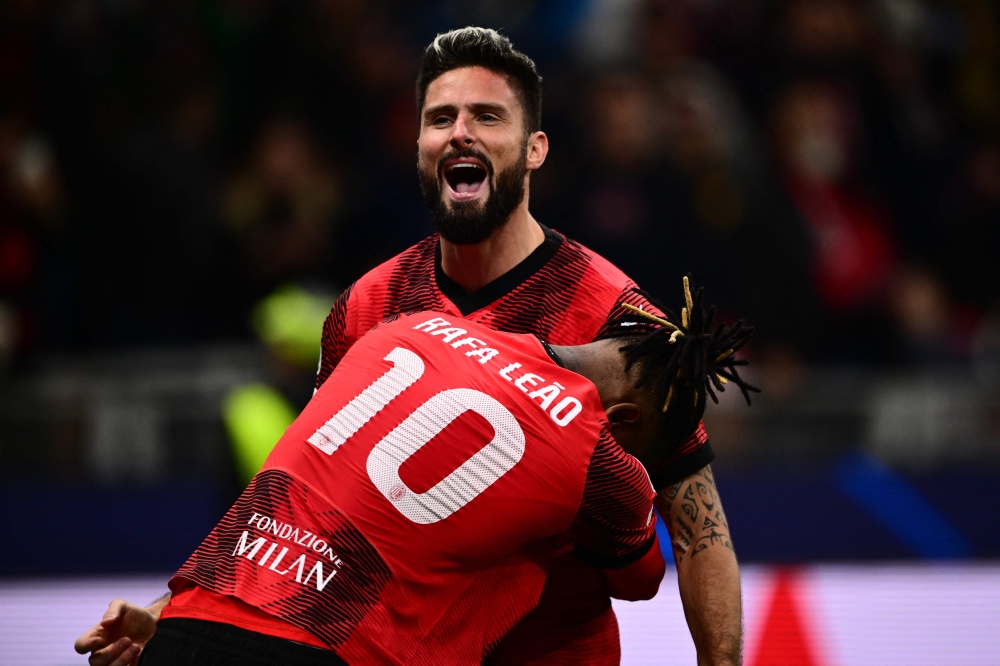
(552, 353)
(503, 285)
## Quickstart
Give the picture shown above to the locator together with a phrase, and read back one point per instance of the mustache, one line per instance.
(465, 152)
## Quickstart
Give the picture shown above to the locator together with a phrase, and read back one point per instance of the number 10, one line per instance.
(458, 488)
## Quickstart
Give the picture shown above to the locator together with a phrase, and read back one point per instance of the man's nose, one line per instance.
(462, 136)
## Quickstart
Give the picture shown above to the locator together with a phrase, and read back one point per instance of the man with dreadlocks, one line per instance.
(491, 262)
(406, 567)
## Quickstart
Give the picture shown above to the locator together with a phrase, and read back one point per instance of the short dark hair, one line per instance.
(483, 47)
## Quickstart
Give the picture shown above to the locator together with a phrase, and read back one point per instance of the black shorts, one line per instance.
(180, 641)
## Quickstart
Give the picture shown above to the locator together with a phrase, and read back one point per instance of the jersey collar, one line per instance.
(503, 285)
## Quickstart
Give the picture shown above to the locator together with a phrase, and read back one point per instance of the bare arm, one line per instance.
(707, 572)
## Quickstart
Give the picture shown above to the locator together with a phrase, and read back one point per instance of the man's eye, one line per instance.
(488, 117)
(441, 120)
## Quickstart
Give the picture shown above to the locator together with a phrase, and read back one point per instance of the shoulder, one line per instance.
(592, 290)
(600, 285)
(417, 258)
(404, 282)
(599, 271)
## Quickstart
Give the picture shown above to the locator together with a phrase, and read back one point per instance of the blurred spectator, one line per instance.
(825, 33)
(166, 166)
(282, 206)
(815, 144)
(744, 237)
(930, 329)
(627, 200)
(32, 239)
(973, 242)
(289, 321)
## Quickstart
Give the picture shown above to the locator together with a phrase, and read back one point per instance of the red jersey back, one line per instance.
(565, 294)
(410, 512)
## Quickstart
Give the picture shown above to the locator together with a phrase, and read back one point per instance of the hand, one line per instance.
(118, 638)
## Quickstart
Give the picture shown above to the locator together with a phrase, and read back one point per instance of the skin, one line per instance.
(475, 108)
(469, 107)
(707, 571)
(117, 640)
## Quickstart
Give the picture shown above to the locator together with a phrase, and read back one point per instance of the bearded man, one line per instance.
(491, 262)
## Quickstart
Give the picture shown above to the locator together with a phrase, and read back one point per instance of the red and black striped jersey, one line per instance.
(409, 514)
(562, 293)
(565, 294)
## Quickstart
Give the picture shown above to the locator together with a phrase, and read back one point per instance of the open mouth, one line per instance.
(465, 179)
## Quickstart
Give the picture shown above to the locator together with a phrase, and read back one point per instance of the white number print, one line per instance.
(407, 368)
(470, 478)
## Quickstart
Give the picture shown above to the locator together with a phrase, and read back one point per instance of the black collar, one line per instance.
(503, 285)
(552, 354)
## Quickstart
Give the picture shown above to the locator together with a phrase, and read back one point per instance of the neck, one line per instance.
(475, 266)
(600, 362)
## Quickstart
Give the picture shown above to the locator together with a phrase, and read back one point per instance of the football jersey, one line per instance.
(565, 294)
(410, 513)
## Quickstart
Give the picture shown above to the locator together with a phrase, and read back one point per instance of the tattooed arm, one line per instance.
(707, 572)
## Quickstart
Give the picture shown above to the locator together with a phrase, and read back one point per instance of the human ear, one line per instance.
(538, 148)
(623, 412)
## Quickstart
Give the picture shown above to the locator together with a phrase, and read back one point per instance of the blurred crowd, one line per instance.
(830, 169)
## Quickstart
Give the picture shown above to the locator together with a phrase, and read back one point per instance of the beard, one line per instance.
(472, 222)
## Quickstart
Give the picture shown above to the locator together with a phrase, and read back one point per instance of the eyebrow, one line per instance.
(476, 107)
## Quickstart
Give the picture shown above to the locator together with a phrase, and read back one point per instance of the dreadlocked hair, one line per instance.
(682, 363)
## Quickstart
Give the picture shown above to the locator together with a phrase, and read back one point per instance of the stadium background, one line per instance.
(185, 186)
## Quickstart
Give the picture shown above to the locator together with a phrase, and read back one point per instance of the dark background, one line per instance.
(830, 169)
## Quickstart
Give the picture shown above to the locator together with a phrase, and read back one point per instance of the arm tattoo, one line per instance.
(694, 516)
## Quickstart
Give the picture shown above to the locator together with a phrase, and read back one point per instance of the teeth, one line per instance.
(465, 165)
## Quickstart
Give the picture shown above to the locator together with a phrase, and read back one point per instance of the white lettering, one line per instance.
(318, 570)
(505, 373)
(267, 554)
(528, 378)
(407, 367)
(484, 354)
(286, 531)
(450, 333)
(468, 342)
(252, 518)
(547, 394)
(304, 537)
(277, 561)
(242, 547)
(319, 545)
(301, 562)
(466, 482)
(570, 403)
(431, 324)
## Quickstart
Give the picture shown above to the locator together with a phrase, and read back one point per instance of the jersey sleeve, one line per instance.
(694, 453)
(689, 458)
(615, 525)
(629, 294)
(339, 333)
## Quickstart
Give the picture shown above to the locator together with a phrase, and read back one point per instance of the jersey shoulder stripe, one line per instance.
(404, 283)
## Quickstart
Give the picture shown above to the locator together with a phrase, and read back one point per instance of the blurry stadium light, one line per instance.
(290, 321)
(256, 416)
